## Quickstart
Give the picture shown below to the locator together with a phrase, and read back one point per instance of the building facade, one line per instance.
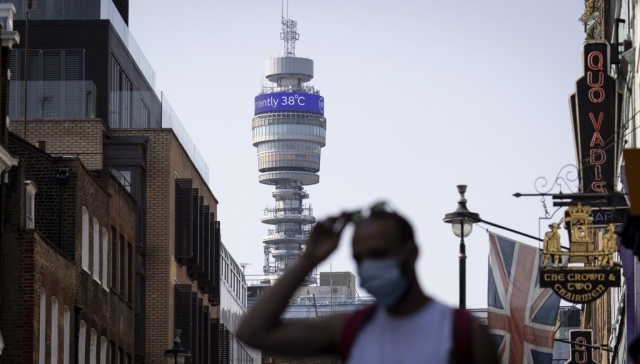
(88, 96)
(67, 262)
(615, 318)
(66, 252)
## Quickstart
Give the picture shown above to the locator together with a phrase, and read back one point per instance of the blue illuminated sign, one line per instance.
(289, 101)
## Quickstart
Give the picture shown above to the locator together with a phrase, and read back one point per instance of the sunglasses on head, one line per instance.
(360, 215)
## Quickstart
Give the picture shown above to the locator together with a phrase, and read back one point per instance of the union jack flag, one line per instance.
(522, 316)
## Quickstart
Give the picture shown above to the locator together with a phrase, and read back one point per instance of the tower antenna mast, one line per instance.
(289, 33)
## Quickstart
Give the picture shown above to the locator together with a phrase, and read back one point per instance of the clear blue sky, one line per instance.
(420, 96)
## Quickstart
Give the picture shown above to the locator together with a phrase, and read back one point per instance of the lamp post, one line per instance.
(177, 354)
(462, 221)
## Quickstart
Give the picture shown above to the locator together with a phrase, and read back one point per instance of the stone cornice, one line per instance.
(9, 38)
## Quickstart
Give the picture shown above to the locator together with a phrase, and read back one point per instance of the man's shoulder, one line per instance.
(436, 307)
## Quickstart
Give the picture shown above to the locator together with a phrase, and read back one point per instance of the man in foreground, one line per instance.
(406, 326)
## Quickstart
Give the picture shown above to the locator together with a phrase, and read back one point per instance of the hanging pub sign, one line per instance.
(594, 252)
(595, 120)
(581, 350)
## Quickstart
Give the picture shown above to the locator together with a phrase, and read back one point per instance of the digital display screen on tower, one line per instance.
(289, 101)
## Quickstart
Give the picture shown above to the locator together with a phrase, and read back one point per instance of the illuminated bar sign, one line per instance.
(595, 120)
(289, 101)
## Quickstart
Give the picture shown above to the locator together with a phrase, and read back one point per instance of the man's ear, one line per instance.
(414, 251)
(412, 257)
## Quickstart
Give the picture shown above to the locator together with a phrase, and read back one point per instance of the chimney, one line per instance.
(42, 145)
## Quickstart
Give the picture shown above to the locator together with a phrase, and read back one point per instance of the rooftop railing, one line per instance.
(109, 11)
(148, 109)
(170, 120)
(310, 300)
(306, 308)
(304, 88)
(127, 109)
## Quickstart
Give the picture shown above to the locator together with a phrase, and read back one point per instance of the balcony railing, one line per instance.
(85, 10)
(284, 217)
(304, 230)
(282, 236)
(288, 191)
(53, 99)
(288, 211)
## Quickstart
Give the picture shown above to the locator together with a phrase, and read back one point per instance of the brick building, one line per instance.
(93, 102)
(192, 282)
(174, 266)
(67, 263)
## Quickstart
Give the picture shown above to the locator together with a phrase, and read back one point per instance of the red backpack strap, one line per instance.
(352, 326)
(462, 337)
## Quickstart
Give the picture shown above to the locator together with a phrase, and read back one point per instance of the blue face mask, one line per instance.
(383, 279)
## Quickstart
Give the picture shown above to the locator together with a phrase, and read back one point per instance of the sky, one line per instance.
(420, 96)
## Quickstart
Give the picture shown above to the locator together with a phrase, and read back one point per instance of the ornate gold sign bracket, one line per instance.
(580, 284)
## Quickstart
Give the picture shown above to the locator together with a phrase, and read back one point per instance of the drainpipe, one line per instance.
(76, 310)
(2, 200)
(4, 180)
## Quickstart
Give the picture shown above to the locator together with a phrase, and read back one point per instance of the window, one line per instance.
(67, 335)
(54, 330)
(146, 116)
(96, 250)
(271, 130)
(105, 258)
(85, 239)
(124, 177)
(121, 355)
(93, 347)
(103, 350)
(120, 92)
(114, 259)
(130, 273)
(183, 304)
(122, 288)
(114, 358)
(82, 343)
(29, 204)
(232, 348)
(43, 326)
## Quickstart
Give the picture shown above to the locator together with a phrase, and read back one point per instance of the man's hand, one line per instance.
(262, 328)
(324, 238)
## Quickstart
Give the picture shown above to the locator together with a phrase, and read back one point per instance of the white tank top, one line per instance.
(423, 337)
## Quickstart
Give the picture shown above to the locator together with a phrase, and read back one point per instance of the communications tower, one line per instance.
(289, 129)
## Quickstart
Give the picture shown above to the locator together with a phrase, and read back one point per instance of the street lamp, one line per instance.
(177, 354)
(462, 221)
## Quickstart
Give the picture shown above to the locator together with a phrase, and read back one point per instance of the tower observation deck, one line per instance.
(289, 129)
